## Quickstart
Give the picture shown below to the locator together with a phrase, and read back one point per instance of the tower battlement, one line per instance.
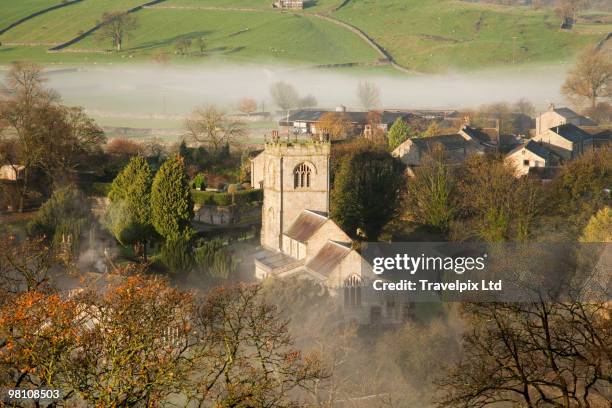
(300, 148)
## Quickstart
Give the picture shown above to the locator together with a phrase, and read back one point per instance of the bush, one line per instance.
(99, 189)
(240, 197)
(176, 255)
(199, 181)
(215, 259)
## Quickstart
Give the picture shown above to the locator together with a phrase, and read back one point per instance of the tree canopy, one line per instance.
(366, 191)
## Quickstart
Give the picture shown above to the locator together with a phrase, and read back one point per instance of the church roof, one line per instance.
(306, 224)
(329, 257)
(274, 260)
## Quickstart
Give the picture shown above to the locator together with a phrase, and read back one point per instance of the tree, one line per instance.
(247, 105)
(129, 212)
(400, 132)
(284, 95)
(335, 125)
(601, 113)
(51, 137)
(182, 45)
(366, 191)
(171, 201)
(431, 192)
(590, 80)
(250, 359)
(368, 94)
(115, 27)
(201, 44)
(567, 11)
(307, 101)
(212, 126)
(524, 106)
(61, 218)
(432, 130)
(532, 354)
(599, 228)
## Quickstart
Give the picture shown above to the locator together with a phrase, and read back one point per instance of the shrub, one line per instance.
(199, 181)
(240, 197)
(176, 255)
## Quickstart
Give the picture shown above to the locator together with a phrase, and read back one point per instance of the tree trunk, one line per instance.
(24, 189)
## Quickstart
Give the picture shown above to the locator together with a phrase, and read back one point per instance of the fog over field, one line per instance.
(172, 92)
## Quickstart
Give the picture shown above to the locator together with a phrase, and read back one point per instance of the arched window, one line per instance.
(301, 176)
(352, 292)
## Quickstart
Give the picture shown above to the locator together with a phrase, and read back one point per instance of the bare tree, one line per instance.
(308, 101)
(590, 80)
(524, 106)
(212, 126)
(115, 27)
(554, 354)
(336, 125)
(247, 105)
(284, 95)
(368, 94)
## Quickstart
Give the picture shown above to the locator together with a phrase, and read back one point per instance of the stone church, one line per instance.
(299, 239)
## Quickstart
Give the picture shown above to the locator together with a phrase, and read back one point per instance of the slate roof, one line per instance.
(533, 147)
(273, 260)
(306, 224)
(567, 113)
(482, 135)
(329, 257)
(603, 137)
(449, 142)
(571, 132)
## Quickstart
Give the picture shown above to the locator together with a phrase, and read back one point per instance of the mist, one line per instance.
(172, 92)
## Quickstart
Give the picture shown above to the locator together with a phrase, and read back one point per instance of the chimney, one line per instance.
(551, 107)
(340, 108)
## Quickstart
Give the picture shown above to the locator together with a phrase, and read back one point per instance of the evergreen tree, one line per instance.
(400, 131)
(129, 214)
(171, 202)
(366, 191)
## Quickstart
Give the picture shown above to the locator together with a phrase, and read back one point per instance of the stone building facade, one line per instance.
(296, 177)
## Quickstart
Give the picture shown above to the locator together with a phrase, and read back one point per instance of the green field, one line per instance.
(13, 10)
(432, 35)
(422, 35)
(313, 6)
(61, 25)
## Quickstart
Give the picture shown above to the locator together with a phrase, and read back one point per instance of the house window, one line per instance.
(525, 162)
(352, 292)
(301, 176)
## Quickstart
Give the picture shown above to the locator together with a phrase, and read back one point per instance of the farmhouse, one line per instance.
(456, 147)
(289, 4)
(560, 116)
(567, 141)
(530, 155)
(306, 121)
(490, 138)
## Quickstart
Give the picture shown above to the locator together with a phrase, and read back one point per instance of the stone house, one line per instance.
(12, 172)
(529, 155)
(567, 141)
(456, 147)
(560, 116)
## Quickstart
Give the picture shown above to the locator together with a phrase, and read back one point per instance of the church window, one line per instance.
(352, 292)
(301, 176)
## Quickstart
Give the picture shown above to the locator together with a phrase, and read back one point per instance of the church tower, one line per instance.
(296, 178)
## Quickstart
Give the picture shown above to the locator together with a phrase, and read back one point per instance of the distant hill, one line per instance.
(419, 35)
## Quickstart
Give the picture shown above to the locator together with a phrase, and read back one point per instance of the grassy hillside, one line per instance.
(424, 35)
(13, 10)
(245, 35)
(433, 35)
(58, 26)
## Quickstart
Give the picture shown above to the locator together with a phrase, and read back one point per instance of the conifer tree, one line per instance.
(400, 131)
(171, 202)
(129, 214)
